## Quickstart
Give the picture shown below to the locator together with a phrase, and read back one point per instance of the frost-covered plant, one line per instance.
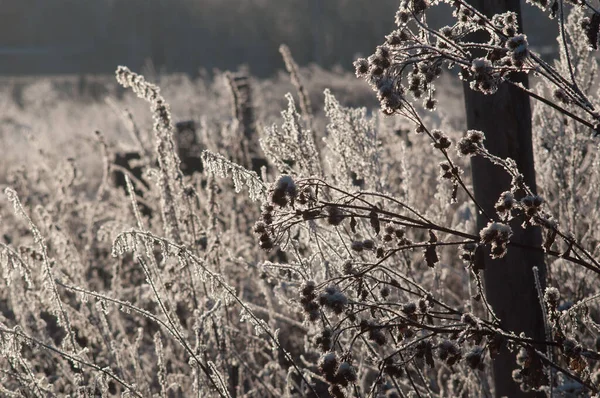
(414, 55)
(360, 274)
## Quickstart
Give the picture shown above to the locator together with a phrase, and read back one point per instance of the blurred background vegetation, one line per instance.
(93, 37)
(58, 57)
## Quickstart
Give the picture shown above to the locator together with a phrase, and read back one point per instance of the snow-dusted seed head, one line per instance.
(345, 374)
(485, 79)
(481, 66)
(396, 38)
(506, 201)
(347, 268)
(307, 300)
(333, 299)
(516, 42)
(335, 215)
(474, 358)
(383, 52)
(561, 95)
(389, 229)
(328, 363)
(430, 104)
(519, 49)
(531, 204)
(361, 67)
(284, 191)
(286, 183)
(324, 340)
(552, 297)
(409, 308)
(498, 234)
(385, 88)
(389, 92)
(469, 319)
(308, 289)
(265, 242)
(385, 291)
(449, 351)
(447, 32)
(378, 336)
(467, 253)
(471, 143)
(495, 231)
(441, 140)
(505, 204)
(260, 227)
(402, 17)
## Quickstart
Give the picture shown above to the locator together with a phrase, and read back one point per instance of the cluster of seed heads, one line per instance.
(441, 140)
(335, 215)
(505, 204)
(449, 172)
(518, 50)
(324, 339)
(498, 235)
(333, 299)
(375, 332)
(531, 204)
(482, 76)
(263, 227)
(308, 301)
(474, 358)
(471, 143)
(449, 352)
(284, 191)
(338, 373)
(528, 375)
(408, 62)
(552, 297)
(391, 233)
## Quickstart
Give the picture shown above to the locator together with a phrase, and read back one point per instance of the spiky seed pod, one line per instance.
(474, 358)
(345, 374)
(471, 143)
(361, 67)
(409, 308)
(552, 297)
(385, 292)
(334, 299)
(328, 363)
(324, 340)
(335, 216)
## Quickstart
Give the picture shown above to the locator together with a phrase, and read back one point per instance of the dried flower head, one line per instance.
(284, 191)
(474, 358)
(551, 297)
(505, 204)
(335, 215)
(498, 235)
(333, 299)
(471, 143)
